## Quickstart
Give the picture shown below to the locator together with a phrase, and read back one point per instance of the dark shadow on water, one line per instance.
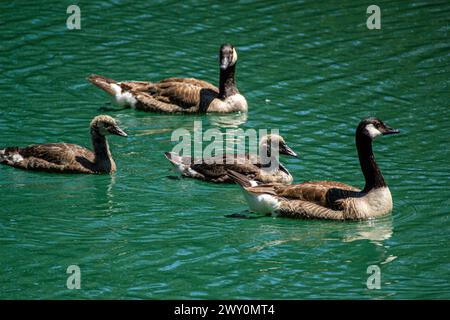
(109, 107)
(244, 215)
(174, 177)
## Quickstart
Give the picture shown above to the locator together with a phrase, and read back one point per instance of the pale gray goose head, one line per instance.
(106, 125)
(270, 140)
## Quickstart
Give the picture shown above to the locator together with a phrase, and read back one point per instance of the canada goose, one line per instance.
(68, 158)
(328, 199)
(175, 95)
(267, 169)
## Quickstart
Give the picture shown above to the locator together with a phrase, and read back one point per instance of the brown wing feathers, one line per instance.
(167, 95)
(305, 209)
(324, 193)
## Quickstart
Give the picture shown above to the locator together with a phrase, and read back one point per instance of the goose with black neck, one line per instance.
(328, 199)
(181, 95)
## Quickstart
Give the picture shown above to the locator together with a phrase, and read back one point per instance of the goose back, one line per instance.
(215, 169)
(65, 157)
(329, 199)
(180, 95)
(52, 157)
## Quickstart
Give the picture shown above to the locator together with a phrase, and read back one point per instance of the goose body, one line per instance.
(328, 199)
(180, 95)
(68, 158)
(216, 169)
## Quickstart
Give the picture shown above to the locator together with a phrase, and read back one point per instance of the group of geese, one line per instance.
(267, 190)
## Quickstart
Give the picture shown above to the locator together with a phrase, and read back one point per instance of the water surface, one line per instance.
(311, 69)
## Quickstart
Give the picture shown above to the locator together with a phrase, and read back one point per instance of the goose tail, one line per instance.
(10, 155)
(260, 198)
(181, 164)
(120, 91)
(109, 85)
(241, 179)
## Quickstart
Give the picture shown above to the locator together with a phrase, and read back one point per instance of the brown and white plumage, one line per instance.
(180, 95)
(68, 158)
(328, 199)
(214, 169)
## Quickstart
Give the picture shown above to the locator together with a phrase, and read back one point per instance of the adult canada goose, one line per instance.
(68, 158)
(265, 168)
(328, 199)
(175, 95)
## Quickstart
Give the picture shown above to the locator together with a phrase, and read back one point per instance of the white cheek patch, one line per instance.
(373, 132)
(233, 62)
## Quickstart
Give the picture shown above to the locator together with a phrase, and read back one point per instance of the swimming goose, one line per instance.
(175, 95)
(68, 158)
(265, 169)
(328, 199)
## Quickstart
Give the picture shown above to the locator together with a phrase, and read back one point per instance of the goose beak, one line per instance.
(388, 130)
(284, 149)
(117, 131)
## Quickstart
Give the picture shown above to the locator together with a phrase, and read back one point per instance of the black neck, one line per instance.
(101, 151)
(372, 174)
(227, 85)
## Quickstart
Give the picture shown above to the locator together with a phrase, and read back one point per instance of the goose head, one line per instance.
(374, 127)
(228, 56)
(106, 125)
(267, 141)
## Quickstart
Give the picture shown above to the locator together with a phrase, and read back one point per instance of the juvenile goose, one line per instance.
(68, 158)
(267, 168)
(328, 199)
(186, 95)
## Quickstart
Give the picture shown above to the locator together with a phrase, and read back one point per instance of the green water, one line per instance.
(311, 69)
